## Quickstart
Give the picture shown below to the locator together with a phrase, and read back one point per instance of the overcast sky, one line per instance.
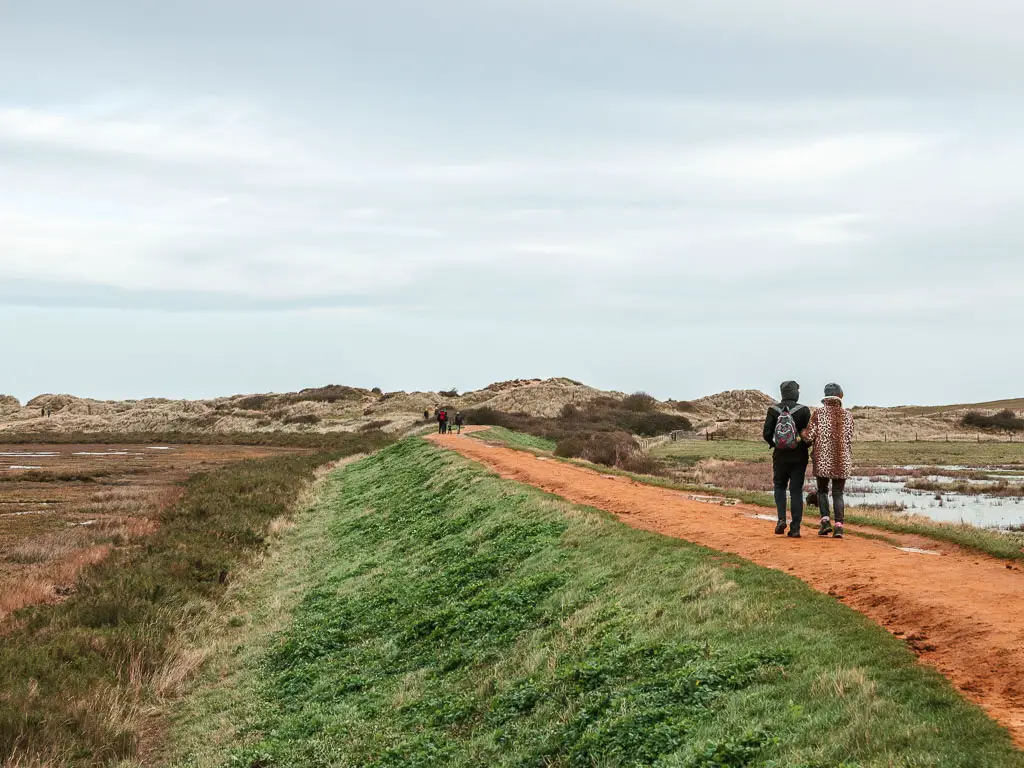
(216, 196)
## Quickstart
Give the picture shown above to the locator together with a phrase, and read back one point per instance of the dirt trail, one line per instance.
(962, 613)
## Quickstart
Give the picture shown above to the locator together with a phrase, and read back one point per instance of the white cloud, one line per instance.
(204, 133)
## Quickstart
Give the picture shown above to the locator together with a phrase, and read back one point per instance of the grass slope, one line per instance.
(84, 682)
(462, 620)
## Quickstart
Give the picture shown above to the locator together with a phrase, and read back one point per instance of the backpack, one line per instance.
(787, 437)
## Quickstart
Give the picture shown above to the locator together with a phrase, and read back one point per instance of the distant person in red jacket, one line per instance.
(442, 421)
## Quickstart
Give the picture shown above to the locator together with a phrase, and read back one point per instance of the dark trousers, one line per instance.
(838, 503)
(789, 475)
(442, 427)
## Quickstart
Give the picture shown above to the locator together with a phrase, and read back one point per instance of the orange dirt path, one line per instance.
(962, 613)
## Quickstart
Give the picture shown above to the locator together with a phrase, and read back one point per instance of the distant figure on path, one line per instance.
(830, 431)
(442, 422)
(458, 421)
(426, 415)
(782, 431)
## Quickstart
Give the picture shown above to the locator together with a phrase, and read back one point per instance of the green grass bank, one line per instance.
(445, 617)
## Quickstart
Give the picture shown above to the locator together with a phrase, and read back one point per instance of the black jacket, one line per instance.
(802, 416)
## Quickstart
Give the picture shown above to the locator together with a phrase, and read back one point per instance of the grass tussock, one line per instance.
(471, 621)
(81, 679)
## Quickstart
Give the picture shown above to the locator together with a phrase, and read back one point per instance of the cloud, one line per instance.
(559, 171)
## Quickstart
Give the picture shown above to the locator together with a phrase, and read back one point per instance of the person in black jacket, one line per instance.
(789, 466)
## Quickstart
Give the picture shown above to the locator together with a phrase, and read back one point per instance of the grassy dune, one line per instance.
(444, 617)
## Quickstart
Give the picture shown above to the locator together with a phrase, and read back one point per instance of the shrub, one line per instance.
(254, 402)
(640, 402)
(608, 448)
(374, 425)
(569, 411)
(490, 417)
(332, 393)
(449, 393)
(1005, 420)
(653, 423)
(640, 464)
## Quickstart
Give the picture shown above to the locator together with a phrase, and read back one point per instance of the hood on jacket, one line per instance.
(790, 390)
(832, 401)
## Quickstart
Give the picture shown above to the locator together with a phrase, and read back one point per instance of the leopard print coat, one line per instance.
(831, 433)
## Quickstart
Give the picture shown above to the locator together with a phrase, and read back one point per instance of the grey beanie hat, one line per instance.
(833, 390)
(790, 390)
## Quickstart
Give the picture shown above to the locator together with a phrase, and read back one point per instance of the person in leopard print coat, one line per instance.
(830, 431)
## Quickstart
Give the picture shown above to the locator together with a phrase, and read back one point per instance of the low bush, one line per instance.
(608, 448)
(653, 423)
(449, 393)
(1006, 420)
(640, 402)
(254, 402)
(329, 394)
(602, 414)
(375, 425)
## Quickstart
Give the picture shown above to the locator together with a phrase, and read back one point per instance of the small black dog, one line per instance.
(812, 498)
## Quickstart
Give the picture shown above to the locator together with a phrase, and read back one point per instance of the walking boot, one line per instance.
(838, 532)
(780, 527)
(826, 527)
